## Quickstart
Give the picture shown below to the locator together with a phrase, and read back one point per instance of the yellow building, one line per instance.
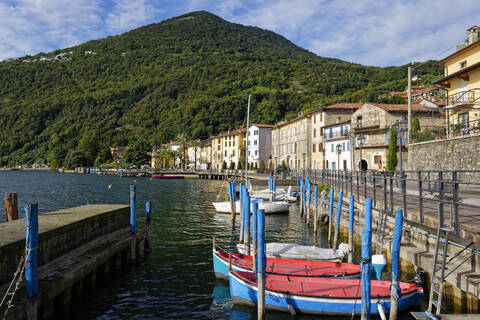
(462, 83)
(233, 146)
(217, 152)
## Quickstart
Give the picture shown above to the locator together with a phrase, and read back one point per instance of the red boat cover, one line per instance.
(323, 287)
(295, 267)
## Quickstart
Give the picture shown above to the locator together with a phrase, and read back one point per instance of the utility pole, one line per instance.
(246, 143)
(409, 102)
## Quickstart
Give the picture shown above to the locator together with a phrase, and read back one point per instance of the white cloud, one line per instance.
(129, 14)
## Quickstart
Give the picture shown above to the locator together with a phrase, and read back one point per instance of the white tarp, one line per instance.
(302, 252)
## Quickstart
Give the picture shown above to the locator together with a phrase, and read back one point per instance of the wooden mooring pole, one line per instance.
(315, 220)
(133, 238)
(31, 217)
(148, 211)
(11, 206)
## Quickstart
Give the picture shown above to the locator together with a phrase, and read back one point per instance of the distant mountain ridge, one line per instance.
(189, 74)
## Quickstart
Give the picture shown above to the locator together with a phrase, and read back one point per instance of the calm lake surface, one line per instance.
(177, 280)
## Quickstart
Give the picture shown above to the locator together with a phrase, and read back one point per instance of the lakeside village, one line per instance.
(438, 130)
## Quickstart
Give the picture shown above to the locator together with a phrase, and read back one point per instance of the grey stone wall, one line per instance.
(462, 153)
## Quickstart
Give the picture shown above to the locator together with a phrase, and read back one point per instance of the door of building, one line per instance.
(462, 90)
(378, 161)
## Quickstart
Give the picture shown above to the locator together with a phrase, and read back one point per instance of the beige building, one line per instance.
(373, 122)
(206, 154)
(462, 82)
(291, 143)
(326, 116)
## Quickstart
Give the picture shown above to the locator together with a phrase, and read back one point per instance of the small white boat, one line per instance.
(268, 206)
(302, 252)
(280, 195)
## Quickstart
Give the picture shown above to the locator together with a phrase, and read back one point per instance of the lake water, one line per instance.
(177, 281)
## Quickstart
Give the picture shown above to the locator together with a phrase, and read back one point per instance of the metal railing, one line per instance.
(465, 128)
(448, 198)
(468, 96)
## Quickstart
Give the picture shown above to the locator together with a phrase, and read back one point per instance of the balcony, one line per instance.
(464, 98)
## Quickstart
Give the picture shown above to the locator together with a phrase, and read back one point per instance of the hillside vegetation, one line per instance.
(189, 74)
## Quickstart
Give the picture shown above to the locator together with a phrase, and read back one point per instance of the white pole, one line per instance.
(246, 142)
(409, 101)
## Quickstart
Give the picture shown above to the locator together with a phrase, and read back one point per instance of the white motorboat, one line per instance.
(268, 206)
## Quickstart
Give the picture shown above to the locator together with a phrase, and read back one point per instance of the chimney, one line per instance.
(473, 34)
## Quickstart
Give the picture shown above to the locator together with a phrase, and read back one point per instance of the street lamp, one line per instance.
(400, 127)
(361, 139)
(339, 151)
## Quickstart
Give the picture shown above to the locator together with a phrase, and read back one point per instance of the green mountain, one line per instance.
(189, 74)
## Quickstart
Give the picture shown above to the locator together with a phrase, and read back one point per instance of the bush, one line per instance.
(224, 165)
(323, 187)
(232, 166)
(392, 151)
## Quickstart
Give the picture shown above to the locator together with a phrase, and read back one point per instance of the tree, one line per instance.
(75, 159)
(284, 166)
(415, 125)
(195, 144)
(137, 153)
(392, 151)
(103, 156)
(232, 166)
(224, 165)
(88, 145)
(240, 165)
(182, 139)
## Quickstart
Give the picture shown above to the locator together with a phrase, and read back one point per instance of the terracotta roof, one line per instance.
(455, 74)
(340, 105)
(337, 124)
(459, 52)
(232, 132)
(284, 123)
(401, 107)
(262, 125)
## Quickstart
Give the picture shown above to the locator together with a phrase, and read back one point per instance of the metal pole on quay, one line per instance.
(330, 215)
(133, 238)
(11, 206)
(31, 217)
(261, 263)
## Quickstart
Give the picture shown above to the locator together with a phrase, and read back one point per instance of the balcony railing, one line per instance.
(464, 97)
(465, 128)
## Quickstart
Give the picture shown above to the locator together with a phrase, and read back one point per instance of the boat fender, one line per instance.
(420, 279)
(324, 219)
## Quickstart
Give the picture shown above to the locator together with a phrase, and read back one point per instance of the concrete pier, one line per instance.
(77, 249)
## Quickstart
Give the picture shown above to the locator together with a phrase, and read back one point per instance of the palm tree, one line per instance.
(182, 138)
(195, 144)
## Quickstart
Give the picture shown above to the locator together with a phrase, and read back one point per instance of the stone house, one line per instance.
(337, 146)
(326, 116)
(206, 154)
(217, 152)
(259, 144)
(373, 122)
(233, 145)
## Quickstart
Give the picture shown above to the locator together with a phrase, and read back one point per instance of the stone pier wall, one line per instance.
(461, 153)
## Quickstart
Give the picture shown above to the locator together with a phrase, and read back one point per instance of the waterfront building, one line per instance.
(462, 83)
(217, 152)
(291, 143)
(206, 154)
(233, 146)
(259, 145)
(373, 122)
(326, 116)
(337, 146)
(165, 155)
(117, 153)
(193, 157)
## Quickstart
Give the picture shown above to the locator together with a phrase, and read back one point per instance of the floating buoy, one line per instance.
(151, 179)
(134, 181)
(379, 262)
(109, 186)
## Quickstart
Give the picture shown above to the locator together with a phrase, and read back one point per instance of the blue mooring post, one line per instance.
(368, 214)
(31, 237)
(339, 215)
(395, 288)
(298, 184)
(274, 188)
(133, 237)
(254, 233)
(366, 266)
(309, 195)
(351, 214)
(315, 220)
(148, 212)
(261, 262)
(301, 197)
(330, 216)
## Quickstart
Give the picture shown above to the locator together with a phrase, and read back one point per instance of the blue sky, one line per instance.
(370, 32)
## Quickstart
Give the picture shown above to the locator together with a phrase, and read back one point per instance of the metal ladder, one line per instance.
(439, 267)
(381, 226)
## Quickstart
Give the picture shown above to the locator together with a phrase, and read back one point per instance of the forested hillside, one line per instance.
(190, 74)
